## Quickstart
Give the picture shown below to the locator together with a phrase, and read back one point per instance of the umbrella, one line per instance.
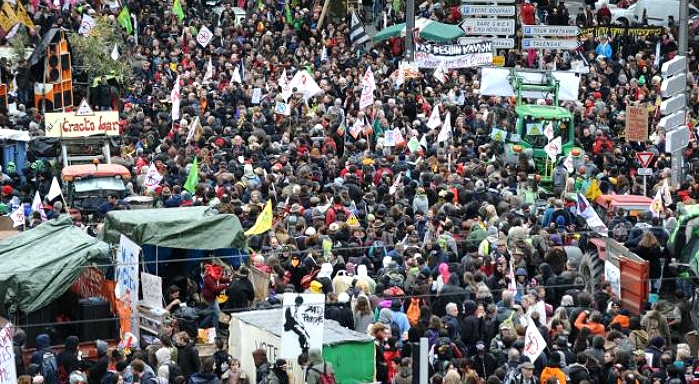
(429, 30)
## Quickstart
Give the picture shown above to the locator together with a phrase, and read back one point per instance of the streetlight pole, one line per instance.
(409, 26)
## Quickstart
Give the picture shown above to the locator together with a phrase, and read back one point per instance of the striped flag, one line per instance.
(357, 33)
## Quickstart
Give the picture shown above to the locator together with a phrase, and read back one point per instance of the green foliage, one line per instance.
(93, 52)
(19, 44)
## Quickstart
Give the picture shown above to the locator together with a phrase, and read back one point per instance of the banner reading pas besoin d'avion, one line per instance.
(454, 55)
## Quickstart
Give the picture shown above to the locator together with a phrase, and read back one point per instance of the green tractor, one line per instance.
(530, 137)
(683, 246)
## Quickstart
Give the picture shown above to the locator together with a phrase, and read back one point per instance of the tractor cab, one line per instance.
(89, 185)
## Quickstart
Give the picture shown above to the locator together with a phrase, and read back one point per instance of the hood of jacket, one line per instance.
(72, 343)
(43, 340)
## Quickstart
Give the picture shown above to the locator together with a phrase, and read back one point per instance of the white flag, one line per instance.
(445, 132)
(423, 141)
(209, 71)
(55, 189)
(115, 53)
(193, 129)
(86, 24)
(440, 73)
(656, 206)
(553, 148)
(324, 53)
(400, 75)
(153, 177)
(37, 206)
(236, 78)
(568, 163)
(548, 131)
(434, 121)
(304, 83)
(667, 196)
(593, 221)
(175, 98)
(17, 217)
(283, 82)
(368, 87)
(534, 343)
(204, 36)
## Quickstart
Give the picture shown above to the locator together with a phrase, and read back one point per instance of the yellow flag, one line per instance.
(352, 221)
(22, 16)
(593, 191)
(263, 222)
(8, 18)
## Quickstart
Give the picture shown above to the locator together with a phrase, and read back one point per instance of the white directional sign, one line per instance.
(549, 44)
(677, 140)
(488, 26)
(675, 66)
(673, 104)
(645, 171)
(673, 85)
(487, 10)
(550, 30)
(673, 120)
(497, 42)
(487, 1)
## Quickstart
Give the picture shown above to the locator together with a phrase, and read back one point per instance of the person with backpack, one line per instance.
(655, 323)
(45, 358)
(187, 355)
(262, 368)
(399, 321)
(319, 371)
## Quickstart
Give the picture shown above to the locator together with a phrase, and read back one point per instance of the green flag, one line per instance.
(193, 177)
(289, 17)
(124, 19)
(177, 10)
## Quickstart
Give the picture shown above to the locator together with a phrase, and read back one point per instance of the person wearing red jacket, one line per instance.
(214, 283)
(602, 144)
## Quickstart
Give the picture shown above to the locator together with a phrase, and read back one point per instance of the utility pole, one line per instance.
(410, 25)
(684, 19)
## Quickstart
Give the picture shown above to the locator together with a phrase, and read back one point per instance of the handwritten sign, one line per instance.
(126, 288)
(8, 372)
(204, 36)
(302, 324)
(636, 123)
(256, 95)
(65, 124)
(152, 288)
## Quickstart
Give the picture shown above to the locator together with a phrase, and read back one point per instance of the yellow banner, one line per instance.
(22, 15)
(621, 31)
(499, 61)
(67, 125)
(8, 18)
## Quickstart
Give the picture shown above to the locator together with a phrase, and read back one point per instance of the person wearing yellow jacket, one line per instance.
(553, 370)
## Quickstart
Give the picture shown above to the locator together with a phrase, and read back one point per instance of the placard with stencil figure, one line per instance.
(302, 324)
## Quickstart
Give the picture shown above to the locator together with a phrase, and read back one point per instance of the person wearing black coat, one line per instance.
(578, 371)
(68, 358)
(206, 375)
(471, 326)
(484, 362)
(340, 312)
(452, 292)
(240, 291)
(187, 355)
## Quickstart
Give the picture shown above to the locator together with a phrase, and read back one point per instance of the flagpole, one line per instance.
(135, 28)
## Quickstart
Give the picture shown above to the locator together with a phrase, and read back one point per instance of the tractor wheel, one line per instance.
(591, 268)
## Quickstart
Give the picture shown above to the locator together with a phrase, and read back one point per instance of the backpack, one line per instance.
(413, 311)
(325, 376)
(49, 368)
(621, 231)
(653, 327)
(395, 329)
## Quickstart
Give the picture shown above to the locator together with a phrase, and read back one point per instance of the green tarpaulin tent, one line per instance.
(185, 228)
(429, 30)
(39, 265)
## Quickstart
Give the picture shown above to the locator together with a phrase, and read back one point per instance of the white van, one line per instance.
(656, 12)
